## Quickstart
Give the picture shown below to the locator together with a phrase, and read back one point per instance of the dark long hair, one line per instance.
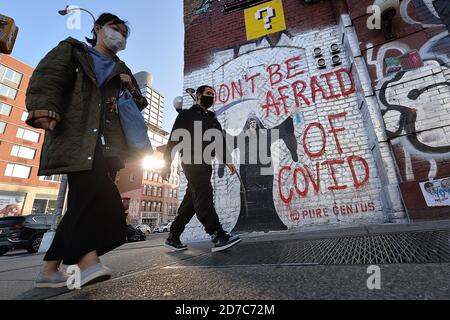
(103, 20)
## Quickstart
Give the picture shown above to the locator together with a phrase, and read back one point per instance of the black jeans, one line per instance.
(197, 200)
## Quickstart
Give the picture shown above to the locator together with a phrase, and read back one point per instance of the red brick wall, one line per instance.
(8, 139)
(215, 30)
(419, 149)
(414, 26)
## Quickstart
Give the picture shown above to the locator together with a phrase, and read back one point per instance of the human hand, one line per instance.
(45, 123)
(232, 168)
(126, 81)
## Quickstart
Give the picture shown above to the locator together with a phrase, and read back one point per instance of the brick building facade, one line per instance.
(152, 200)
(363, 118)
(22, 192)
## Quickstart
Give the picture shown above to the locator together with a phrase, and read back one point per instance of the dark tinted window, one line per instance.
(11, 221)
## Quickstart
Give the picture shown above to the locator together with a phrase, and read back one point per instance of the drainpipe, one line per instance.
(392, 200)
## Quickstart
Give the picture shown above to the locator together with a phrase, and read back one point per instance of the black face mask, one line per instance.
(207, 101)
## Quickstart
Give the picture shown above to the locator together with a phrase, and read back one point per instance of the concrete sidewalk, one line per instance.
(147, 270)
(321, 232)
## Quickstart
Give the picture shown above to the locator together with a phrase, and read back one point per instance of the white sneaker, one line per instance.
(96, 273)
(56, 280)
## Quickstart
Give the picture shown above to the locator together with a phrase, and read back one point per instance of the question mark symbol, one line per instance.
(268, 18)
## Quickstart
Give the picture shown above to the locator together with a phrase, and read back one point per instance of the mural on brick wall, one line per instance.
(415, 95)
(320, 169)
(257, 211)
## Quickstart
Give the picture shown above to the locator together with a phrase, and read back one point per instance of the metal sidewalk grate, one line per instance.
(391, 248)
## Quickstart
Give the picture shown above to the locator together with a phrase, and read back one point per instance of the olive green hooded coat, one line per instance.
(64, 87)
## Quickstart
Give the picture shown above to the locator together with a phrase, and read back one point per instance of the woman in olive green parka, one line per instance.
(73, 94)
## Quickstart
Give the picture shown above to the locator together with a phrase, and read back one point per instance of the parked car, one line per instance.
(163, 227)
(134, 234)
(167, 227)
(24, 232)
(5, 246)
(144, 228)
(142, 235)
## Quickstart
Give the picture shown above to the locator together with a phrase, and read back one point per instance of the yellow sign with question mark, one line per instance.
(264, 19)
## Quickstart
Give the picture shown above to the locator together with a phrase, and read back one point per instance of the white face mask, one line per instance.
(114, 40)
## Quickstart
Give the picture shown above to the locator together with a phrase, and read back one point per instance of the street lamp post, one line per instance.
(68, 9)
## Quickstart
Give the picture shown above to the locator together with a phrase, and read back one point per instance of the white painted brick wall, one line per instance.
(358, 139)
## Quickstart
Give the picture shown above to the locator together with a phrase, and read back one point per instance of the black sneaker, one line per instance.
(224, 241)
(175, 244)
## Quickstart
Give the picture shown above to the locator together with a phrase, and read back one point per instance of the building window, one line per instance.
(171, 193)
(155, 190)
(44, 206)
(24, 116)
(23, 152)
(39, 206)
(7, 74)
(143, 205)
(5, 109)
(149, 190)
(159, 192)
(54, 178)
(7, 91)
(175, 193)
(159, 207)
(2, 127)
(17, 171)
(51, 206)
(145, 174)
(144, 190)
(155, 177)
(27, 135)
(149, 206)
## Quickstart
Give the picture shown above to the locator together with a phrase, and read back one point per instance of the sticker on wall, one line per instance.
(437, 192)
(264, 19)
(408, 61)
(205, 7)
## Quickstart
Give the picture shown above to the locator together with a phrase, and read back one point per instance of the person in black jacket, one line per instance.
(196, 164)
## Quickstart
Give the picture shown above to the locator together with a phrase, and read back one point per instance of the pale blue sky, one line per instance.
(155, 44)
